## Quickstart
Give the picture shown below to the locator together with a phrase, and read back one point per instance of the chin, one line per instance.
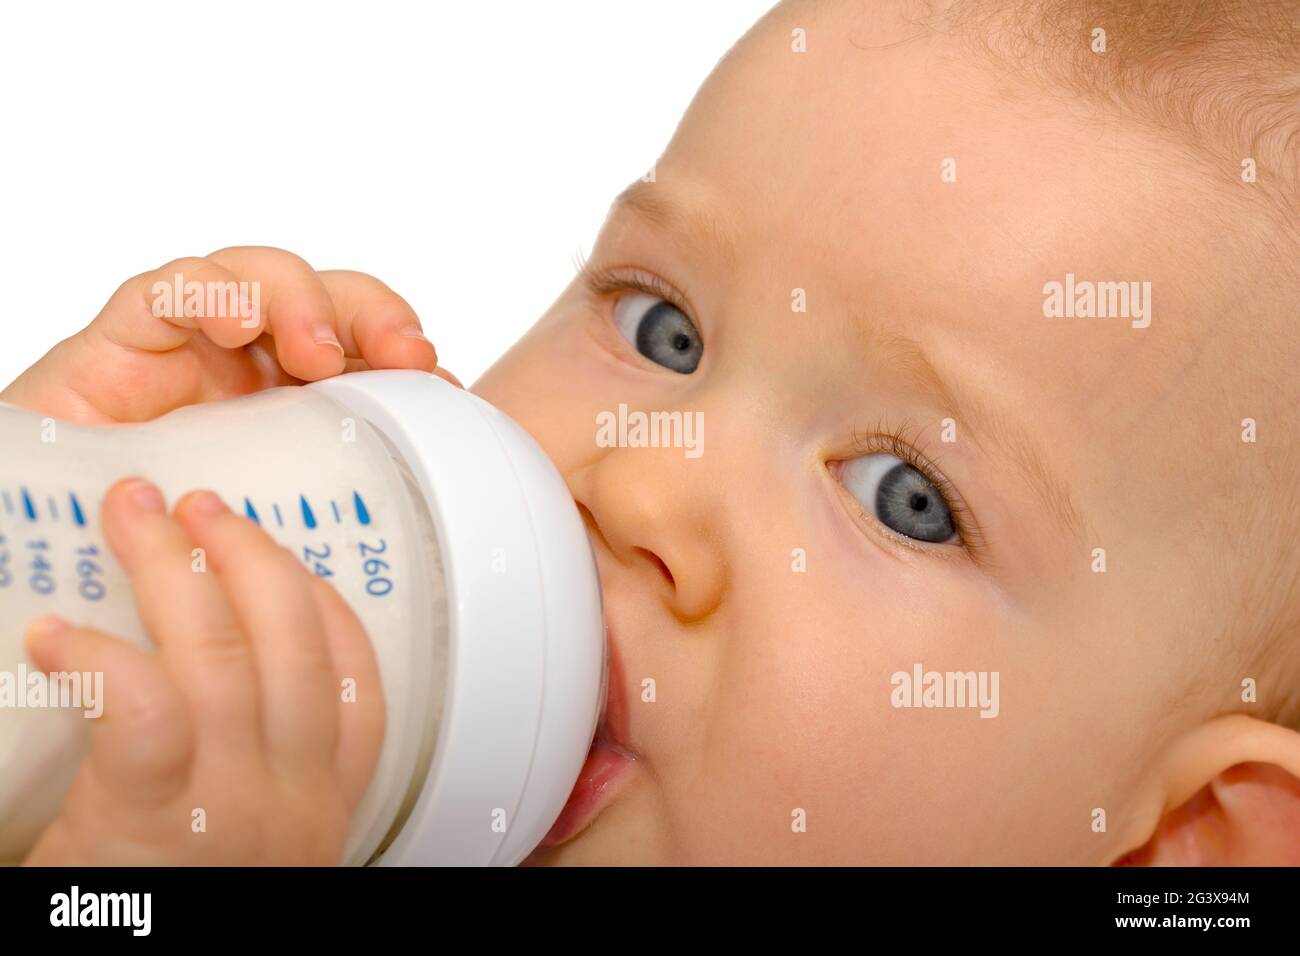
(577, 852)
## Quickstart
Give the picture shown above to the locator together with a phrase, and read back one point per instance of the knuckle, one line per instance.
(396, 312)
(189, 268)
(222, 647)
(156, 562)
(282, 561)
(351, 276)
(233, 541)
(151, 708)
(265, 256)
(183, 264)
(160, 729)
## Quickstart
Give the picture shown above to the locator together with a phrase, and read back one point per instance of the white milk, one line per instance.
(316, 477)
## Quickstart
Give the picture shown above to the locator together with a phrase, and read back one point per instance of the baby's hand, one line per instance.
(142, 356)
(232, 744)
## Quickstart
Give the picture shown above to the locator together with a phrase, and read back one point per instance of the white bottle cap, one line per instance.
(526, 670)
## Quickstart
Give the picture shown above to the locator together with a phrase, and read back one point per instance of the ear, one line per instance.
(1225, 794)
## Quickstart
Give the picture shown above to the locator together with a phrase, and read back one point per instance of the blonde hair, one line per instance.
(1220, 78)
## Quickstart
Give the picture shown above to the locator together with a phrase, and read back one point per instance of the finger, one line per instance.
(142, 741)
(296, 308)
(271, 373)
(376, 324)
(181, 604)
(161, 310)
(444, 374)
(362, 713)
(270, 592)
(263, 354)
(267, 361)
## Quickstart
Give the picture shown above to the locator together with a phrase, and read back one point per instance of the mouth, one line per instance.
(607, 768)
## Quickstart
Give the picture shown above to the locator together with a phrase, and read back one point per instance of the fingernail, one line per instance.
(146, 496)
(324, 335)
(47, 626)
(205, 503)
(413, 332)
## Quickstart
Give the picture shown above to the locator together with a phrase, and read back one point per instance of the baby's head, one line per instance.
(986, 550)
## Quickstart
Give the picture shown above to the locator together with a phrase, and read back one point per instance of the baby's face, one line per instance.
(836, 289)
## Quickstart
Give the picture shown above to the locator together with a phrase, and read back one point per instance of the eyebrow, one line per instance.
(697, 223)
(1013, 443)
(692, 222)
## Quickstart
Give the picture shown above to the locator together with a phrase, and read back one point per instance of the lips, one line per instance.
(608, 765)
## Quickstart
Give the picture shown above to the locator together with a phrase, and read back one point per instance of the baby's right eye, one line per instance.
(659, 331)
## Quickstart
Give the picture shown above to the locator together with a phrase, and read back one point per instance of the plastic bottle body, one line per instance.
(317, 478)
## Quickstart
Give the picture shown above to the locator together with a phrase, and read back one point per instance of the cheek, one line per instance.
(555, 381)
(804, 725)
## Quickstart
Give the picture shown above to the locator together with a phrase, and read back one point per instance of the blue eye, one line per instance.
(659, 331)
(900, 497)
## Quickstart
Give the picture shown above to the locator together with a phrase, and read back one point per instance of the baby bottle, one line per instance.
(438, 519)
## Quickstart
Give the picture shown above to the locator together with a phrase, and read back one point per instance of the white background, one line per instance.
(462, 152)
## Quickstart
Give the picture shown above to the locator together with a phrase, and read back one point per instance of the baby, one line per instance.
(986, 552)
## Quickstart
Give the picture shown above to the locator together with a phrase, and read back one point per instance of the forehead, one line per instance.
(881, 139)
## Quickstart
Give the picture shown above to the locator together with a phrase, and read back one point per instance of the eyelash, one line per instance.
(895, 440)
(605, 282)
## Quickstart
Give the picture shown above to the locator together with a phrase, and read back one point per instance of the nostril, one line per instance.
(594, 529)
(657, 562)
(589, 519)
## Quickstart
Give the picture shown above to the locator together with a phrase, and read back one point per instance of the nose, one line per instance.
(659, 517)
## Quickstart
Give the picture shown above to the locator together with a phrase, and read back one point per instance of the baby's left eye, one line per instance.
(901, 498)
